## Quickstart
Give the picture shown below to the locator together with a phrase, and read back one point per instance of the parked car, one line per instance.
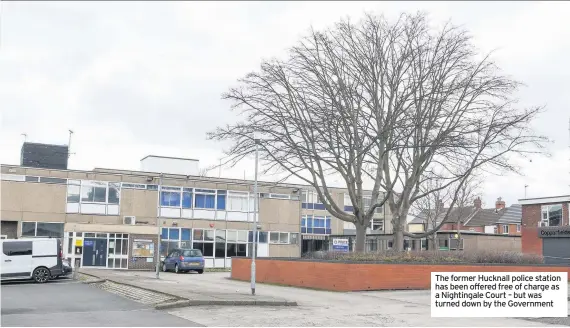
(184, 260)
(40, 259)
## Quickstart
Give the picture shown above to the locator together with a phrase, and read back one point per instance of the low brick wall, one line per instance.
(338, 276)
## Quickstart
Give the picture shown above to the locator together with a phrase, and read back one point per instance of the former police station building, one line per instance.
(108, 218)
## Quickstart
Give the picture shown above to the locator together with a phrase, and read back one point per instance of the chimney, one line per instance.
(477, 203)
(499, 204)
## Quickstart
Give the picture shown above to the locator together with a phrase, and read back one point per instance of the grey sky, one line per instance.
(139, 78)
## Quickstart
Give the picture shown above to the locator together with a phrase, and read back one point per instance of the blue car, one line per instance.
(184, 260)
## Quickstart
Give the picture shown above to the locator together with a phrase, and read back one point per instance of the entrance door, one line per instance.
(88, 252)
(100, 252)
(556, 250)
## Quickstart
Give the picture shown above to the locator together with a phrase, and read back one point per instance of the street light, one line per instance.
(255, 211)
(159, 232)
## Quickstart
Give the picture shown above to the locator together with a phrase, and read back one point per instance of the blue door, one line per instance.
(89, 252)
(100, 252)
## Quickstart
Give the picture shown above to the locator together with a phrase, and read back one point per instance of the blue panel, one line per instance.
(199, 201)
(319, 206)
(206, 191)
(310, 206)
(164, 234)
(320, 231)
(221, 202)
(349, 209)
(328, 223)
(210, 201)
(221, 192)
(303, 222)
(187, 189)
(186, 200)
(173, 233)
(328, 231)
(304, 205)
(319, 223)
(309, 222)
(303, 230)
(185, 234)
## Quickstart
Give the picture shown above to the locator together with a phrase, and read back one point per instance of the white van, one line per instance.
(39, 259)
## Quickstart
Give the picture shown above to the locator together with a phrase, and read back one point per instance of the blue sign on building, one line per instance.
(340, 245)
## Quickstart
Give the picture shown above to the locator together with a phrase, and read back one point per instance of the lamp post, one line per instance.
(255, 213)
(158, 231)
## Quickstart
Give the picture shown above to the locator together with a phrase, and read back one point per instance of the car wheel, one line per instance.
(200, 271)
(164, 267)
(41, 275)
(176, 268)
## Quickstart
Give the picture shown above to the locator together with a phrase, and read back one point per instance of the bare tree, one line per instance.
(388, 105)
(431, 208)
(465, 198)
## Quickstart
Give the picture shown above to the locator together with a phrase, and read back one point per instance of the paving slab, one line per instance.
(190, 287)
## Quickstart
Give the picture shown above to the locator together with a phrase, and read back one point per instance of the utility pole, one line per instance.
(158, 228)
(255, 213)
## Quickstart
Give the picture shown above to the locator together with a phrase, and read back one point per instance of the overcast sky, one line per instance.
(139, 78)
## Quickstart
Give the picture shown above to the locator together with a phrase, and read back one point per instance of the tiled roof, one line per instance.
(513, 214)
(485, 217)
(461, 213)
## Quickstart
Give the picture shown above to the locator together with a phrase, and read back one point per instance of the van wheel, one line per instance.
(41, 275)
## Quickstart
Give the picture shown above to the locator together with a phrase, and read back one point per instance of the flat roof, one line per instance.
(169, 157)
(544, 200)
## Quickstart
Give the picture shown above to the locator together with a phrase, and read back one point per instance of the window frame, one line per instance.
(518, 227)
(241, 195)
(505, 229)
(545, 209)
(36, 229)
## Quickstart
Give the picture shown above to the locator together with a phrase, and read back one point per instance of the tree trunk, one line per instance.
(360, 238)
(398, 238)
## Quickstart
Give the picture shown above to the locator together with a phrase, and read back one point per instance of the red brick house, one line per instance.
(546, 214)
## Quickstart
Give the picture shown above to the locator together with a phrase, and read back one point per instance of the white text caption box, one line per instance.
(499, 294)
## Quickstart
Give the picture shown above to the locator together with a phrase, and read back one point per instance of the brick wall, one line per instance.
(531, 215)
(360, 277)
(140, 263)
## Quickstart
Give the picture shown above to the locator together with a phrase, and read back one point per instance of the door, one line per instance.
(88, 252)
(556, 250)
(16, 259)
(100, 252)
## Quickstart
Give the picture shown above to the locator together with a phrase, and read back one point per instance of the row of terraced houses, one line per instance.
(112, 218)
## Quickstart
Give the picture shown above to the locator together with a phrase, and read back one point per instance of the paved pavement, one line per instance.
(321, 308)
(198, 288)
(68, 303)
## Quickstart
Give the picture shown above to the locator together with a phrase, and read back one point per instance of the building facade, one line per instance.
(546, 228)
(111, 218)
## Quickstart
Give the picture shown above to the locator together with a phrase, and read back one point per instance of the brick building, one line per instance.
(545, 222)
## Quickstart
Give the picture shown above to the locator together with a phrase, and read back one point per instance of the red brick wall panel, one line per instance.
(360, 277)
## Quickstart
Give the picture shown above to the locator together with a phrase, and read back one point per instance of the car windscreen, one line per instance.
(192, 253)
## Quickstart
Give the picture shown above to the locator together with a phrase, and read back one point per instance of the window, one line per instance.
(32, 179)
(221, 200)
(220, 244)
(294, 238)
(93, 192)
(42, 229)
(283, 238)
(133, 186)
(17, 248)
(237, 201)
(114, 193)
(186, 199)
(367, 201)
(280, 196)
(377, 225)
(205, 199)
(274, 238)
(505, 228)
(316, 224)
(53, 180)
(170, 198)
(310, 200)
(495, 230)
(204, 241)
(518, 228)
(551, 215)
(237, 242)
(73, 192)
(192, 253)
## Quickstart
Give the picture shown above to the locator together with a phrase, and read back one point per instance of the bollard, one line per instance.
(76, 268)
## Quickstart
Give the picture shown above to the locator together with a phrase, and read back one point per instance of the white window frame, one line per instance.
(242, 195)
(95, 184)
(518, 228)
(3, 236)
(130, 185)
(505, 229)
(545, 209)
(206, 191)
(172, 189)
(279, 196)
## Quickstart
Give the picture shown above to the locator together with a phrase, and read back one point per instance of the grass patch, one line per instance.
(474, 257)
